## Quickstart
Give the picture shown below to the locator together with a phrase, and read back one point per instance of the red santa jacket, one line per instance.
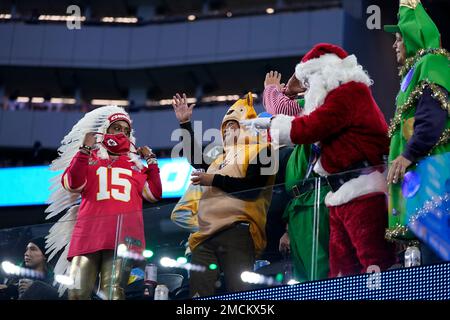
(350, 128)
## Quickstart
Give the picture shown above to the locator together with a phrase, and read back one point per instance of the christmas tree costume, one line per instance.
(425, 70)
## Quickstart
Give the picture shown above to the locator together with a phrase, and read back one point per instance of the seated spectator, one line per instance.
(36, 287)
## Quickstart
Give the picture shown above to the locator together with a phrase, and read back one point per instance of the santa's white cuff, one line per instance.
(280, 129)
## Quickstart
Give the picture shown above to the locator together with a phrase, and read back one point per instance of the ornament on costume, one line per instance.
(411, 184)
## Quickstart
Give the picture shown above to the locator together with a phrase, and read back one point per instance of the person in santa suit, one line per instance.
(103, 167)
(342, 118)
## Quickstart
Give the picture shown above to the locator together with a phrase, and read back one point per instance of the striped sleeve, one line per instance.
(275, 102)
(147, 194)
(74, 178)
(152, 190)
(70, 187)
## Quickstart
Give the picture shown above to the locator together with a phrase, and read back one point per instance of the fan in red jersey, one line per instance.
(103, 167)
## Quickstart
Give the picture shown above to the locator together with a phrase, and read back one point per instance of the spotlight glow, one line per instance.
(147, 253)
(212, 266)
(10, 268)
(255, 278)
(251, 277)
(168, 262)
(121, 249)
(181, 260)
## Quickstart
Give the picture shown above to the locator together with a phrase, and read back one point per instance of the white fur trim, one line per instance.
(319, 169)
(363, 185)
(327, 73)
(304, 69)
(280, 130)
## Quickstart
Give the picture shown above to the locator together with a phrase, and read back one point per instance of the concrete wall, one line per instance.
(208, 41)
(23, 128)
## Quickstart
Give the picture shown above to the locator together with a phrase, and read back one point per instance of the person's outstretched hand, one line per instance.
(183, 112)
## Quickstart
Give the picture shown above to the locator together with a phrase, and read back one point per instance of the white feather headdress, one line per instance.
(60, 199)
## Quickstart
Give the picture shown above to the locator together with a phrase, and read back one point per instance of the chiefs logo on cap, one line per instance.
(117, 117)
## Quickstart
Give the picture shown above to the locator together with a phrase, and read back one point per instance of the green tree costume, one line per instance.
(308, 233)
(427, 66)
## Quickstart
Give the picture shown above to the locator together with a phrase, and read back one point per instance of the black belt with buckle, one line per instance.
(307, 185)
(335, 181)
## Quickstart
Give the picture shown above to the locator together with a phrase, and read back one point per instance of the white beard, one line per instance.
(326, 74)
(316, 94)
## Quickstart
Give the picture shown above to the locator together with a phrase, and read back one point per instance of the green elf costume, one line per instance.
(306, 214)
(422, 114)
(307, 218)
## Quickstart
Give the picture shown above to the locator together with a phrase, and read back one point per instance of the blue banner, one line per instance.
(25, 186)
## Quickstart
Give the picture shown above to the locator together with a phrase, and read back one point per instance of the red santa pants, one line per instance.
(357, 236)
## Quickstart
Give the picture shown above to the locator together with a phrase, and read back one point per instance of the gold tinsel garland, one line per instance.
(437, 93)
(397, 231)
(445, 138)
(397, 235)
(410, 62)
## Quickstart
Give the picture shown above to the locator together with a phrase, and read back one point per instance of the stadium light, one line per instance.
(37, 100)
(48, 17)
(104, 102)
(119, 19)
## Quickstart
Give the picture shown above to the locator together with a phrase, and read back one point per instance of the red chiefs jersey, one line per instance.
(111, 202)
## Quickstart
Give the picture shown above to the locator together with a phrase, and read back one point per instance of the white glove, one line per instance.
(256, 124)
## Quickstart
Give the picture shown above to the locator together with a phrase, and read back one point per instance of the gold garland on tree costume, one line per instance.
(415, 95)
(437, 93)
(410, 62)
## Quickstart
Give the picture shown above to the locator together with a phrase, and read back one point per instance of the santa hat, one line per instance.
(319, 56)
(322, 49)
(335, 65)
